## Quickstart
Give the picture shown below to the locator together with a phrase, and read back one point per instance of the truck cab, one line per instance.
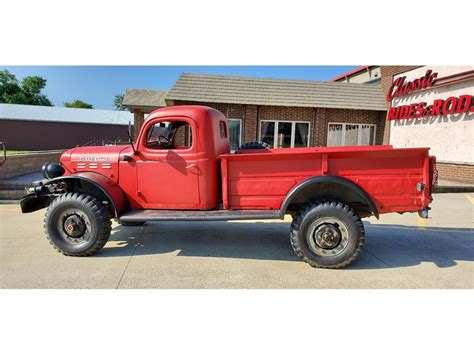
(176, 147)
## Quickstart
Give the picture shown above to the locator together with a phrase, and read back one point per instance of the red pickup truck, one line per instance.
(181, 169)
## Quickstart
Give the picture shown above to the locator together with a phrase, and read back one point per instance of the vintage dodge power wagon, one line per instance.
(181, 169)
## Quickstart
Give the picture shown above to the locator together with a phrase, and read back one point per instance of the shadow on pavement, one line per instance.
(386, 246)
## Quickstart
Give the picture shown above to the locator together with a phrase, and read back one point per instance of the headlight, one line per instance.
(52, 170)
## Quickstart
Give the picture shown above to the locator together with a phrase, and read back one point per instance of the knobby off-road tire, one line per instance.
(77, 224)
(252, 145)
(327, 234)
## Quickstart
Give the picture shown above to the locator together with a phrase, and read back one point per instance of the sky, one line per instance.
(98, 85)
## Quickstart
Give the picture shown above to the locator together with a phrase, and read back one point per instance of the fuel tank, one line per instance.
(99, 159)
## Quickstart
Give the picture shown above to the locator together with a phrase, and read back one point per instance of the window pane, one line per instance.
(334, 135)
(366, 134)
(284, 135)
(301, 135)
(234, 134)
(169, 135)
(267, 132)
(372, 135)
(351, 136)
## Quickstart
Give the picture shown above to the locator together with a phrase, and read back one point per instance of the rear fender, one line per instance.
(329, 188)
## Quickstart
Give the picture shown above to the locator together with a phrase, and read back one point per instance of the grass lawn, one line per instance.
(14, 152)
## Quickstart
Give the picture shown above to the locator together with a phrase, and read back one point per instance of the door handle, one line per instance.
(191, 166)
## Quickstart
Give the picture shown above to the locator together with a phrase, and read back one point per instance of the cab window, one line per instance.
(170, 135)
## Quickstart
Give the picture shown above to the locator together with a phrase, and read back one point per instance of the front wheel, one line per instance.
(77, 224)
(327, 235)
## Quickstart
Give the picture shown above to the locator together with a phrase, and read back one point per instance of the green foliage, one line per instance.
(78, 104)
(28, 92)
(118, 102)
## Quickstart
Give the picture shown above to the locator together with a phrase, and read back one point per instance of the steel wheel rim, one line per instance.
(327, 236)
(74, 236)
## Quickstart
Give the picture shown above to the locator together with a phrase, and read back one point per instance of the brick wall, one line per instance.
(21, 164)
(457, 172)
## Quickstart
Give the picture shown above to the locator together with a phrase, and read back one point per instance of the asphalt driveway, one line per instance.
(400, 252)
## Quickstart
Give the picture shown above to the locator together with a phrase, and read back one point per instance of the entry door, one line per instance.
(168, 178)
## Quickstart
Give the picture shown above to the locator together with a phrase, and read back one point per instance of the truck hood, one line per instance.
(101, 159)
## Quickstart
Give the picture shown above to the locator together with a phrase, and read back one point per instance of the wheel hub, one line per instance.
(74, 226)
(327, 236)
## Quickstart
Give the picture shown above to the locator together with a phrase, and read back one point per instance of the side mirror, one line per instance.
(127, 158)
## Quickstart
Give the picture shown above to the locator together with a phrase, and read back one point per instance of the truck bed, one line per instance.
(260, 179)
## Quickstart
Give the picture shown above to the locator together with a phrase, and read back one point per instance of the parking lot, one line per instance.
(401, 251)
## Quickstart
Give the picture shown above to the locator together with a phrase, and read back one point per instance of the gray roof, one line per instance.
(64, 114)
(277, 92)
(144, 99)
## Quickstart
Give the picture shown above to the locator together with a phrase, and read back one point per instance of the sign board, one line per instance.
(433, 106)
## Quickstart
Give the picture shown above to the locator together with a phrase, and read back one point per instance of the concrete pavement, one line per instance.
(400, 252)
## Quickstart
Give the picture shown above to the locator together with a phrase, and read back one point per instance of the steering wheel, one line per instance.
(165, 142)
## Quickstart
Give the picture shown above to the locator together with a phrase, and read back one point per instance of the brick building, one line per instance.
(350, 110)
(282, 113)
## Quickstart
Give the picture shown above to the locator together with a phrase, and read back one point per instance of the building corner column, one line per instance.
(138, 117)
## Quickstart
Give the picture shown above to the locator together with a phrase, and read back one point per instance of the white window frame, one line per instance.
(343, 141)
(240, 134)
(293, 128)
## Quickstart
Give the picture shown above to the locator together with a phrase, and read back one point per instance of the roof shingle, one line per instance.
(141, 98)
(276, 92)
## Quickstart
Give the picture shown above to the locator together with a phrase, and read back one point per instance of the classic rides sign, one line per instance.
(434, 107)
(453, 104)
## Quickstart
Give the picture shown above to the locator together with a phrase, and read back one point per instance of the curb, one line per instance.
(452, 189)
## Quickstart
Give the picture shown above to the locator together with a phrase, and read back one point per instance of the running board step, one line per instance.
(217, 215)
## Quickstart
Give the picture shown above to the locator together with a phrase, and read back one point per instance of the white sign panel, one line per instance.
(450, 136)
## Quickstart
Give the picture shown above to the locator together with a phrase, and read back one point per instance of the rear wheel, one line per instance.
(77, 224)
(327, 235)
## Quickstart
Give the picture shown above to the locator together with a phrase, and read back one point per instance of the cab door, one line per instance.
(167, 171)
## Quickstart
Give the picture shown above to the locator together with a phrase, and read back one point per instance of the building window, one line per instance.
(235, 133)
(343, 134)
(284, 134)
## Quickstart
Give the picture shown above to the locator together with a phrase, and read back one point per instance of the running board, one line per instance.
(216, 215)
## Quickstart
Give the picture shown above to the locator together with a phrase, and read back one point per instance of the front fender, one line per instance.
(38, 199)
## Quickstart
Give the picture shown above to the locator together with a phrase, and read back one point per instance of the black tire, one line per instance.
(252, 145)
(86, 218)
(132, 224)
(327, 235)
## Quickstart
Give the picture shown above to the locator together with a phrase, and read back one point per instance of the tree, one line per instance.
(77, 104)
(118, 102)
(28, 92)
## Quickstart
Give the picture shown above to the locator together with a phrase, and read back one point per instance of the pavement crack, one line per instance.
(130, 257)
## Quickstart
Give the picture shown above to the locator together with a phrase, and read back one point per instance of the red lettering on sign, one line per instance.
(464, 103)
(461, 104)
(436, 110)
(399, 87)
(449, 105)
